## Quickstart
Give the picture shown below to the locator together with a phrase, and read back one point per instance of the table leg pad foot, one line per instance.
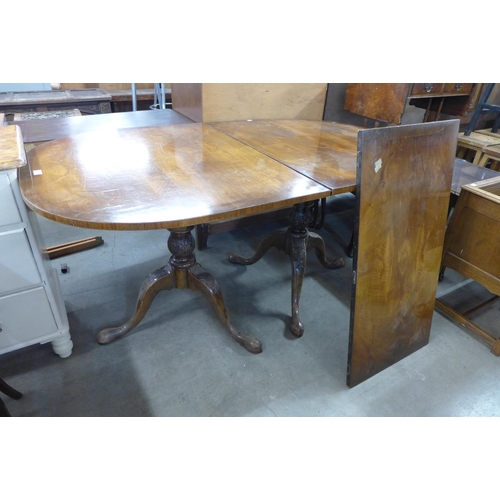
(297, 327)
(201, 281)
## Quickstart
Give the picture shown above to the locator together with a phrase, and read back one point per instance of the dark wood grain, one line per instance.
(403, 190)
(157, 177)
(379, 101)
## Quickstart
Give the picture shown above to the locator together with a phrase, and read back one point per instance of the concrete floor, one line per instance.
(181, 362)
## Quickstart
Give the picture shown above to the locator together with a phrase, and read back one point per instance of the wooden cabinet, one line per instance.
(31, 306)
(471, 248)
(387, 101)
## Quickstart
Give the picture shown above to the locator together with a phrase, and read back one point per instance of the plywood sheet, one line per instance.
(403, 188)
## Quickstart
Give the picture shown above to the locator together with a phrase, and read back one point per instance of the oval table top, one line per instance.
(157, 177)
(323, 151)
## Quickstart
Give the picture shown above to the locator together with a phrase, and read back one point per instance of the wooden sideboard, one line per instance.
(387, 101)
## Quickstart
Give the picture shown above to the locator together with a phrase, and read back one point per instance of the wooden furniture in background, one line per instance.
(88, 101)
(471, 247)
(491, 154)
(31, 306)
(471, 147)
(387, 101)
(36, 131)
(402, 192)
(121, 94)
(215, 102)
(163, 177)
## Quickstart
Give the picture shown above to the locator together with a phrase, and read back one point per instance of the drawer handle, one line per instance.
(458, 86)
(428, 87)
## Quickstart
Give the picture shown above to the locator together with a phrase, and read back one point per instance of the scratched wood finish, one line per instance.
(47, 130)
(403, 191)
(379, 101)
(157, 177)
(323, 151)
(12, 153)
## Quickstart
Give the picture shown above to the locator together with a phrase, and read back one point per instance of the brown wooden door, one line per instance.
(403, 188)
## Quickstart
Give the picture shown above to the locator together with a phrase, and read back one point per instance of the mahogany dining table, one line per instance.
(169, 177)
(178, 176)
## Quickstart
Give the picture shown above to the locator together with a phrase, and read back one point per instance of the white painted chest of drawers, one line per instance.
(31, 306)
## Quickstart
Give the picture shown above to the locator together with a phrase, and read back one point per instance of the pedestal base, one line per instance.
(295, 242)
(181, 272)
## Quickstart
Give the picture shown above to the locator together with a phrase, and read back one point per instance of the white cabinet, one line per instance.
(31, 306)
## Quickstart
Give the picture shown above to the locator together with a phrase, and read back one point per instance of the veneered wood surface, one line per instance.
(403, 190)
(47, 130)
(379, 101)
(157, 177)
(323, 151)
(12, 153)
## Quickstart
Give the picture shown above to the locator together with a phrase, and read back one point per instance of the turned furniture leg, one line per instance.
(181, 272)
(295, 241)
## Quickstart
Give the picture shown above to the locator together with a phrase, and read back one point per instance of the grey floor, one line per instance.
(180, 361)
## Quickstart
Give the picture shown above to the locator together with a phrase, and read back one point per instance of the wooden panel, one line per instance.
(246, 101)
(263, 101)
(323, 151)
(403, 189)
(157, 177)
(379, 101)
(187, 100)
